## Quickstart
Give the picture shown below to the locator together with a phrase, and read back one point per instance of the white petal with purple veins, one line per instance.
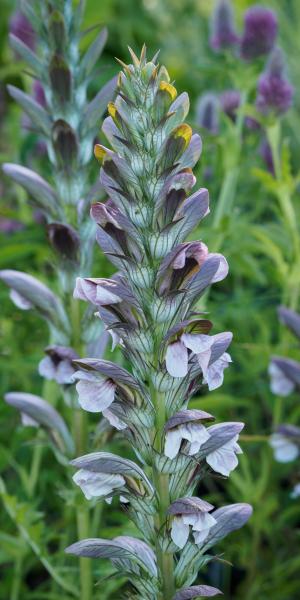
(95, 394)
(198, 343)
(95, 485)
(173, 442)
(203, 360)
(196, 434)
(224, 460)
(215, 373)
(114, 420)
(177, 359)
(179, 532)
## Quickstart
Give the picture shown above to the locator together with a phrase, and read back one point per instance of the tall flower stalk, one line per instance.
(148, 307)
(62, 114)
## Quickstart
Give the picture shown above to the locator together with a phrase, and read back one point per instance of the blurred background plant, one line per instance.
(251, 167)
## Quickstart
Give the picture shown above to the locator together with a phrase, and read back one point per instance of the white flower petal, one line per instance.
(197, 343)
(200, 536)
(177, 359)
(179, 532)
(97, 395)
(173, 442)
(196, 434)
(215, 373)
(203, 360)
(46, 368)
(64, 372)
(223, 460)
(95, 485)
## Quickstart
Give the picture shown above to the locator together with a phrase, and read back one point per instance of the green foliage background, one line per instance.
(257, 243)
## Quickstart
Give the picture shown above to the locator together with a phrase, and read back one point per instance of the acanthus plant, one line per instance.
(67, 121)
(148, 307)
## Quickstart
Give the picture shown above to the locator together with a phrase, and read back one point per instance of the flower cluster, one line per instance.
(274, 92)
(150, 308)
(259, 34)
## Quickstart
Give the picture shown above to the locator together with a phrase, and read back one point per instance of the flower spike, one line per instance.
(148, 306)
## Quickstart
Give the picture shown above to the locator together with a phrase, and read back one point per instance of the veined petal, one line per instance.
(224, 460)
(197, 343)
(95, 485)
(223, 268)
(179, 532)
(114, 420)
(196, 434)
(203, 360)
(215, 373)
(173, 442)
(177, 359)
(95, 395)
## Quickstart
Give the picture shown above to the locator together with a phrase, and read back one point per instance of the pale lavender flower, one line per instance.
(200, 345)
(95, 393)
(223, 460)
(260, 32)
(223, 33)
(190, 512)
(57, 364)
(185, 427)
(286, 443)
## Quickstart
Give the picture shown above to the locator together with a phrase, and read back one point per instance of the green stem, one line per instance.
(35, 469)
(165, 559)
(80, 431)
(83, 527)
